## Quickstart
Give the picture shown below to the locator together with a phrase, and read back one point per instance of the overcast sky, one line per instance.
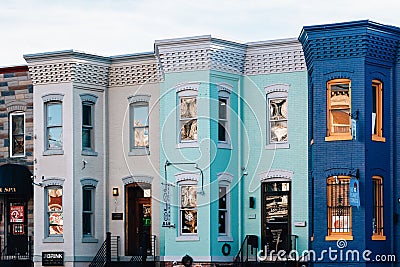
(115, 27)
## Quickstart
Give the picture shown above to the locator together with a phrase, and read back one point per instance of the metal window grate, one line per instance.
(378, 206)
(339, 209)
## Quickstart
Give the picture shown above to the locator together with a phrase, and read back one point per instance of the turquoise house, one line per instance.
(233, 155)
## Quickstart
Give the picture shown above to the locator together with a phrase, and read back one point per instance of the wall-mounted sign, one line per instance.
(117, 216)
(16, 214)
(8, 190)
(52, 258)
(354, 193)
(167, 206)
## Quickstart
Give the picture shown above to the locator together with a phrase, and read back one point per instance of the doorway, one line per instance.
(276, 209)
(138, 223)
(17, 237)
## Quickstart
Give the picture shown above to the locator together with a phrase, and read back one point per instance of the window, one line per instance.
(339, 209)
(188, 118)
(377, 220)
(55, 211)
(188, 209)
(87, 126)
(222, 120)
(377, 110)
(17, 134)
(339, 110)
(139, 125)
(278, 124)
(87, 211)
(54, 125)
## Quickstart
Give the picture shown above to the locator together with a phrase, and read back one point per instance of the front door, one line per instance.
(17, 238)
(276, 216)
(138, 221)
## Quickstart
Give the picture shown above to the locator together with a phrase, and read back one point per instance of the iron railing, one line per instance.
(146, 251)
(248, 250)
(108, 251)
(9, 254)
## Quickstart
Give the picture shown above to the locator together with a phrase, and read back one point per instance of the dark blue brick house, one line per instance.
(354, 83)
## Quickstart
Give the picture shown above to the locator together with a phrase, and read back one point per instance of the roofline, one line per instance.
(9, 69)
(63, 54)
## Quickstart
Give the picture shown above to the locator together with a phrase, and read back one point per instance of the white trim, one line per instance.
(225, 180)
(276, 91)
(53, 181)
(193, 237)
(88, 98)
(275, 175)
(52, 97)
(225, 93)
(138, 98)
(88, 181)
(277, 87)
(187, 176)
(224, 88)
(225, 238)
(187, 86)
(10, 142)
(225, 177)
(137, 179)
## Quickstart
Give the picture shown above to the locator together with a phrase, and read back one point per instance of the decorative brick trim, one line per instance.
(16, 106)
(134, 74)
(137, 179)
(89, 182)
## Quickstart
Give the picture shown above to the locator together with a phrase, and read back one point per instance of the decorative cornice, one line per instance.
(225, 87)
(187, 176)
(225, 177)
(16, 106)
(275, 175)
(187, 86)
(135, 73)
(88, 98)
(278, 87)
(139, 98)
(137, 179)
(52, 97)
(89, 182)
(53, 181)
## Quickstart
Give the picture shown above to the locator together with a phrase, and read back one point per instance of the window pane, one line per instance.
(87, 223)
(55, 138)
(87, 199)
(140, 114)
(222, 108)
(221, 131)
(17, 124)
(278, 109)
(222, 222)
(188, 197)
(86, 137)
(189, 221)
(222, 198)
(340, 96)
(54, 206)
(341, 121)
(279, 131)
(141, 137)
(87, 115)
(188, 130)
(54, 114)
(188, 107)
(17, 145)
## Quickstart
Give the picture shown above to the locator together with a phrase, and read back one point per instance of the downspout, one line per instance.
(239, 163)
(106, 142)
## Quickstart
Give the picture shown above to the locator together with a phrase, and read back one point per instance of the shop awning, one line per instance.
(16, 180)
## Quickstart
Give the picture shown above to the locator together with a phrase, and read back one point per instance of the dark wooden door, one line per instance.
(276, 216)
(17, 238)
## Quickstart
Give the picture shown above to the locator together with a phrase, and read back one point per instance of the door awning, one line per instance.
(15, 180)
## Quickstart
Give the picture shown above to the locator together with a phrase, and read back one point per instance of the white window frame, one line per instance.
(90, 183)
(90, 127)
(138, 101)
(225, 180)
(187, 179)
(56, 238)
(47, 100)
(276, 91)
(187, 90)
(12, 114)
(91, 189)
(224, 92)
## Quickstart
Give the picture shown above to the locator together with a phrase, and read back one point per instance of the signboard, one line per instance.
(354, 192)
(117, 216)
(167, 206)
(52, 258)
(17, 214)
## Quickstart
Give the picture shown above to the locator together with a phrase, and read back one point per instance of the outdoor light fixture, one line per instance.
(115, 191)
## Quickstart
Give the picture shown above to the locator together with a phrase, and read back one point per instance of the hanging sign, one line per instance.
(17, 214)
(354, 129)
(354, 192)
(167, 206)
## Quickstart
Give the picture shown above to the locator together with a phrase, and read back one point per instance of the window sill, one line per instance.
(53, 239)
(278, 146)
(89, 239)
(338, 138)
(338, 237)
(378, 237)
(187, 144)
(224, 145)
(139, 151)
(187, 238)
(89, 153)
(378, 138)
(51, 152)
(225, 238)
(17, 156)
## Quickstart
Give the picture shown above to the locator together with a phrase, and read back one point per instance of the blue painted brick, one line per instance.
(7, 93)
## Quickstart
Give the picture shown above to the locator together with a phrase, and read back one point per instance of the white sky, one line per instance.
(115, 27)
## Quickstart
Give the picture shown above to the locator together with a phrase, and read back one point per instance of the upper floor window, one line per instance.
(87, 126)
(377, 111)
(339, 110)
(17, 134)
(377, 219)
(224, 207)
(55, 218)
(54, 125)
(339, 209)
(277, 116)
(188, 209)
(140, 125)
(87, 211)
(188, 118)
(223, 115)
